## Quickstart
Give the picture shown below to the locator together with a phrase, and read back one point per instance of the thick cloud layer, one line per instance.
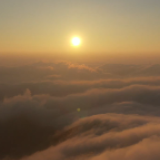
(108, 137)
(76, 111)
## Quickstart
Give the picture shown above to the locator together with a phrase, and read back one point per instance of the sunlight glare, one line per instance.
(76, 41)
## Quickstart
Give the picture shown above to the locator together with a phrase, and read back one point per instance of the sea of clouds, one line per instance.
(66, 111)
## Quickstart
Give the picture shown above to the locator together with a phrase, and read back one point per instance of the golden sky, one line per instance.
(125, 26)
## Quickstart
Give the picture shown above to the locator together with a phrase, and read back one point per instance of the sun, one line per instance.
(76, 41)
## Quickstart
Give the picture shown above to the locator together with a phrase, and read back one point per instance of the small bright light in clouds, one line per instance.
(76, 41)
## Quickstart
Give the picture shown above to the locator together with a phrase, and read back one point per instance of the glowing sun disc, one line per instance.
(76, 41)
